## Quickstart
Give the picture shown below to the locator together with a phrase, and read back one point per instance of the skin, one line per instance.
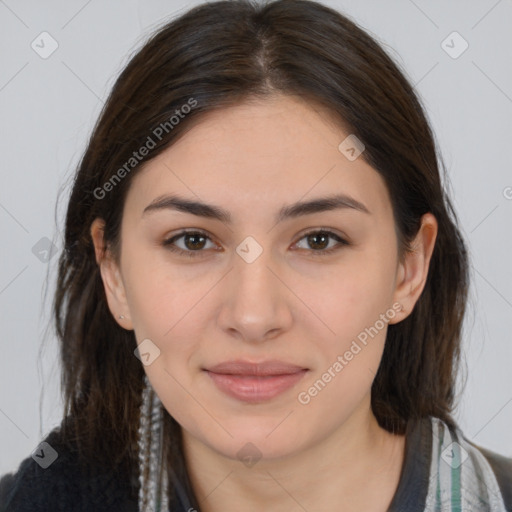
(288, 304)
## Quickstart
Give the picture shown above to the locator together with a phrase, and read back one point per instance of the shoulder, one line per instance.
(502, 469)
(54, 479)
(482, 475)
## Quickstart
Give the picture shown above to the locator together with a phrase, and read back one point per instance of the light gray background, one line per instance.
(48, 107)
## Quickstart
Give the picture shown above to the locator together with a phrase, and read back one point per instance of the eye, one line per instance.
(319, 241)
(193, 243)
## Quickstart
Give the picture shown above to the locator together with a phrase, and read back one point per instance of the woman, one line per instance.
(263, 285)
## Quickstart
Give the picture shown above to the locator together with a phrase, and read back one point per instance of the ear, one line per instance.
(111, 276)
(413, 270)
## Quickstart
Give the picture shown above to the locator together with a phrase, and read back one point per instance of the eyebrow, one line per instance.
(321, 204)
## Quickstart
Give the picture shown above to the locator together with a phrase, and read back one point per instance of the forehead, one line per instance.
(261, 153)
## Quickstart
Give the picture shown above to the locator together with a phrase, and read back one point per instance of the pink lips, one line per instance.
(255, 382)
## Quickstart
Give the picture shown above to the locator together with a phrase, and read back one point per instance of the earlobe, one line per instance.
(111, 276)
(413, 270)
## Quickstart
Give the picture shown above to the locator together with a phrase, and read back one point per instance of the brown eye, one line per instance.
(192, 243)
(318, 242)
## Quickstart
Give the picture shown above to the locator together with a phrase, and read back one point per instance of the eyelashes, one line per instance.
(314, 237)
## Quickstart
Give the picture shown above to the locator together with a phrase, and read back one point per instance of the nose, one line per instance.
(255, 302)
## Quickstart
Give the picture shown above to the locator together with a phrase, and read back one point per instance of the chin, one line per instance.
(257, 439)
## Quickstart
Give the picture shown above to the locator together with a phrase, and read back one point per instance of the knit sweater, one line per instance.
(442, 471)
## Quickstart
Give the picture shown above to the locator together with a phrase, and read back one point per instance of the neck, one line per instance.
(358, 465)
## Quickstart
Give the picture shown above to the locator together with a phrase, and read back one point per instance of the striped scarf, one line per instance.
(461, 478)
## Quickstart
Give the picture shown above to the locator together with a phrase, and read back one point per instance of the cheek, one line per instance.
(357, 308)
(357, 293)
(169, 306)
(161, 295)
(166, 309)
(357, 311)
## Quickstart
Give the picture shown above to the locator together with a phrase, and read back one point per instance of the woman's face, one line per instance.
(265, 280)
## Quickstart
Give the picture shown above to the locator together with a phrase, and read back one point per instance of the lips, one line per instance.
(255, 382)
(256, 369)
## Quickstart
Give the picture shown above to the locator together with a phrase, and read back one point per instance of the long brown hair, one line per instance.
(220, 54)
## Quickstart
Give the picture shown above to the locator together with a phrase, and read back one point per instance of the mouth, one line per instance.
(255, 382)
